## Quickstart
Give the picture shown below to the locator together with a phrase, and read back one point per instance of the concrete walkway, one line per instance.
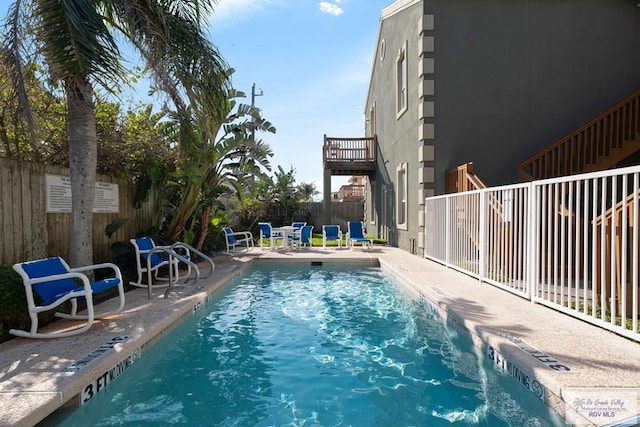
(591, 375)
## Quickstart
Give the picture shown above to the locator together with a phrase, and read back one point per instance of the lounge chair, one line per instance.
(331, 233)
(266, 232)
(303, 237)
(151, 258)
(355, 234)
(237, 238)
(55, 283)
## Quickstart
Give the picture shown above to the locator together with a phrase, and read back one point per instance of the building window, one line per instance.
(401, 209)
(371, 121)
(401, 81)
(372, 200)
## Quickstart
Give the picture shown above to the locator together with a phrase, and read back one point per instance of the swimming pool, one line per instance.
(313, 346)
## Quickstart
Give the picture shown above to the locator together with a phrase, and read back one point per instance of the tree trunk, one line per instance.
(184, 210)
(204, 227)
(82, 165)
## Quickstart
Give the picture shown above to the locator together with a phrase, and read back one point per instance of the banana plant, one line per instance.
(215, 157)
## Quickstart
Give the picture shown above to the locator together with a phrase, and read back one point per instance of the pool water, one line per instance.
(313, 347)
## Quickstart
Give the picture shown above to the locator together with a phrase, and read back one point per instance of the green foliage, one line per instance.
(307, 191)
(249, 212)
(215, 157)
(124, 256)
(13, 303)
(114, 226)
(38, 135)
(285, 193)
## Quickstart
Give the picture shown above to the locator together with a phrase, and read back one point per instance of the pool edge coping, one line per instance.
(58, 399)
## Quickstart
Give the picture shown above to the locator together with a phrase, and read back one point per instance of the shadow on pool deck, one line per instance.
(39, 376)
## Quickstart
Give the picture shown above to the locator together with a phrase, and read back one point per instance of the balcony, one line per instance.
(349, 156)
(349, 193)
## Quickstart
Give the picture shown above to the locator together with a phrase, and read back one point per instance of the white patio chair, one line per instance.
(55, 283)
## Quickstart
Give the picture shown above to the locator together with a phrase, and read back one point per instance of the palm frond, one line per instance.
(13, 61)
(77, 41)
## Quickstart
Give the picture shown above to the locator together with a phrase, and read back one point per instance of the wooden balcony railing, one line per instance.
(597, 145)
(349, 156)
(350, 192)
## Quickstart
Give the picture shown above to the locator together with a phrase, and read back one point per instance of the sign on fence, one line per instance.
(59, 195)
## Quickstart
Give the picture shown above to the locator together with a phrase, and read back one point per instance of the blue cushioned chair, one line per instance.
(331, 233)
(55, 283)
(355, 235)
(296, 228)
(298, 225)
(303, 237)
(237, 238)
(266, 232)
(151, 258)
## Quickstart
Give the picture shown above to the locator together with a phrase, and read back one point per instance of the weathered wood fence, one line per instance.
(27, 231)
(313, 214)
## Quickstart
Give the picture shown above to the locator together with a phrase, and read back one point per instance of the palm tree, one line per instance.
(285, 193)
(307, 191)
(78, 41)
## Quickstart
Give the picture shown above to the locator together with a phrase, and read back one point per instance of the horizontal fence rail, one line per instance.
(28, 231)
(568, 243)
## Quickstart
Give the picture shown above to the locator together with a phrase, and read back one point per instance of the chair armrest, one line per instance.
(245, 234)
(54, 277)
(178, 245)
(102, 266)
(83, 291)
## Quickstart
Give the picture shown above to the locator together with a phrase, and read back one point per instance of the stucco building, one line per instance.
(485, 81)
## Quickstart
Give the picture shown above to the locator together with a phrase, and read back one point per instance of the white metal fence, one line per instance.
(570, 243)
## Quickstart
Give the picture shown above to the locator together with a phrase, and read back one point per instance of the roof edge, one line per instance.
(396, 7)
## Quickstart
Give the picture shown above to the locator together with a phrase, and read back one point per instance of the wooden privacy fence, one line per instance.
(313, 214)
(28, 232)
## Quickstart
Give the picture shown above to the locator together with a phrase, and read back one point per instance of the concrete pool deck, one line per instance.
(530, 343)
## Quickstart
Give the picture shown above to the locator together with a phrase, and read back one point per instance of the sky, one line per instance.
(311, 63)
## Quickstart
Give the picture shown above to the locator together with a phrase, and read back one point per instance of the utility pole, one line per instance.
(253, 104)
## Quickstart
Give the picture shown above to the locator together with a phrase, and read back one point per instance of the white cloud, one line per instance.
(235, 9)
(332, 9)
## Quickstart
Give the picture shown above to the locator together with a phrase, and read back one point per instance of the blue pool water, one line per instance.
(311, 346)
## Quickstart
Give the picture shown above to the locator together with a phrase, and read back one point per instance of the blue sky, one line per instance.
(312, 62)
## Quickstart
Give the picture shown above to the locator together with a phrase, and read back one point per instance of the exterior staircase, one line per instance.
(599, 144)
(461, 179)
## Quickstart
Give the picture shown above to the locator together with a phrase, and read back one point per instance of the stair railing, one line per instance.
(574, 152)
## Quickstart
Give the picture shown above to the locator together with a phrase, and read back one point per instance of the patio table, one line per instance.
(284, 230)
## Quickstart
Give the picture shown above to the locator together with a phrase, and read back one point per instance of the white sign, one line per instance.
(106, 199)
(603, 406)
